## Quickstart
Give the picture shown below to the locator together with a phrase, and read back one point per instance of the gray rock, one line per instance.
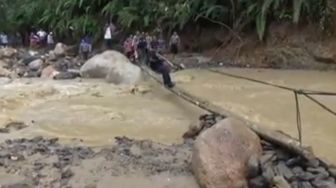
(284, 171)
(306, 176)
(280, 182)
(332, 171)
(268, 173)
(253, 166)
(323, 184)
(293, 161)
(35, 65)
(258, 182)
(319, 170)
(113, 66)
(305, 184)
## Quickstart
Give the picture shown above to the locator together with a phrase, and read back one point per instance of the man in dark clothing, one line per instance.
(158, 65)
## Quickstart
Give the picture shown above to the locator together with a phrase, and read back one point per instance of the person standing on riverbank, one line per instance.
(174, 43)
(50, 41)
(4, 39)
(85, 47)
(108, 36)
(128, 48)
(135, 42)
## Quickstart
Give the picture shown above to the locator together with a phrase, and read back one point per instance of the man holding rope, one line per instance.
(158, 65)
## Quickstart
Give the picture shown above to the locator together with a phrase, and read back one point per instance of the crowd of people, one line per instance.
(145, 47)
(141, 43)
(41, 38)
(139, 47)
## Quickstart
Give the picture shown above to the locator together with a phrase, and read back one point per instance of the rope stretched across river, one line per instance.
(303, 92)
(297, 92)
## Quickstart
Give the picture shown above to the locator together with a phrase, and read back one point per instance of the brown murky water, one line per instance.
(272, 107)
(96, 112)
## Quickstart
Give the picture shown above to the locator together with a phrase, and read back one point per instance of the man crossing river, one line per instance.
(158, 65)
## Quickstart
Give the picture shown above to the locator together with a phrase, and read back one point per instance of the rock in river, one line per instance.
(60, 49)
(221, 154)
(8, 52)
(113, 66)
(35, 65)
(49, 72)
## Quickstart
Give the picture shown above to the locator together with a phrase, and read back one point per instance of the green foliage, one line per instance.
(89, 16)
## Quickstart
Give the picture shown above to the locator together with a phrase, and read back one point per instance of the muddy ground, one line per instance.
(45, 163)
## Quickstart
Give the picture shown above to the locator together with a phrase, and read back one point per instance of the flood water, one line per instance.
(273, 107)
(95, 112)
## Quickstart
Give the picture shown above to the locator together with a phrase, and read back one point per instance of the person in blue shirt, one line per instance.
(85, 47)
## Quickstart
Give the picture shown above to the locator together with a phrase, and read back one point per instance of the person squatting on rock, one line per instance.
(158, 65)
(174, 43)
(85, 47)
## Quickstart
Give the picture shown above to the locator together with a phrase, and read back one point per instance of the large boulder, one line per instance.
(113, 66)
(60, 49)
(221, 153)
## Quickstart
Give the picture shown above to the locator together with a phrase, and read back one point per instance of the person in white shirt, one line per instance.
(50, 40)
(108, 36)
(42, 36)
(4, 39)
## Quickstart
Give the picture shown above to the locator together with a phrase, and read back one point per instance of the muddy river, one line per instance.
(94, 112)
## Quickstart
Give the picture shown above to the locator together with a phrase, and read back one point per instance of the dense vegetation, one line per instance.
(91, 15)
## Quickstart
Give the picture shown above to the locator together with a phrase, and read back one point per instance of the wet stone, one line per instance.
(268, 174)
(293, 161)
(258, 182)
(4, 130)
(332, 172)
(284, 171)
(323, 184)
(298, 171)
(330, 179)
(253, 166)
(280, 182)
(67, 174)
(306, 176)
(315, 163)
(305, 184)
(266, 158)
(282, 155)
(319, 170)
(295, 184)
